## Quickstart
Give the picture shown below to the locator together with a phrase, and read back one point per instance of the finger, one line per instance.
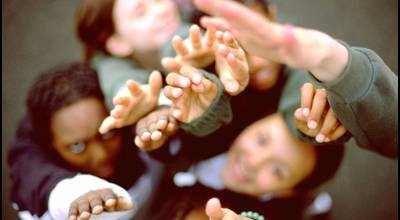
(139, 143)
(229, 40)
(172, 93)
(109, 198)
(239, 71)
(220, 37)
(179, 46)
(156, 135)
(215, 23)
(171, 64)
(123, 204)
(171, 127)
(317, 109)
(195, 37)
(155, 82)
(121, 100)
(73, 211)
(307, 95)
(162, 123)
(177, 80)
(84, 209)
(204, 87)
(107, 124)
(119, 111)
(192, 73)
(339, 132)
(214, 209)
(299, 115)
(96, 204)
(177, 114)
(134, 87)
(210, 37)
(328, 126)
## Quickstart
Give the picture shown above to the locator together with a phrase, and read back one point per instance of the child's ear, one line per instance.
(116, 46)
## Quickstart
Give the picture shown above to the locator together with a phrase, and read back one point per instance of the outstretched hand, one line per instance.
(190, 92)
(315, 117)
(215, 211)
(154, 129)
(133, 103)
(297, 47)
(96, 202)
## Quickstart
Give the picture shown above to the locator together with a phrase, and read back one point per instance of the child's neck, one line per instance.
(148, 59)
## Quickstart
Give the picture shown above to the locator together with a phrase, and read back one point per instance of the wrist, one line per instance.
(333, 63)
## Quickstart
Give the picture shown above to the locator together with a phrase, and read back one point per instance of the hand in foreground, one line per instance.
(133, 103)
(154, 129)
(316, 118)
(96, 202)
(190, 92)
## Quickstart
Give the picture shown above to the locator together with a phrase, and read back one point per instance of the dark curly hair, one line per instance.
(57, 88)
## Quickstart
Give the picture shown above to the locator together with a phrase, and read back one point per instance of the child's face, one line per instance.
(266, 158)
(76, 138)
(145, 24)
(263, 73)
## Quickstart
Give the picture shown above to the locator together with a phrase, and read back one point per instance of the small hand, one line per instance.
(231, 63)
(133, 103)
(215, 212)
(97, 201)
(154, 129)
(190, 92)
(316, 118)
(196, 51)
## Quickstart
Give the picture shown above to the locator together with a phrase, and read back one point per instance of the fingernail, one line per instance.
(306, 112)
(176, 92)
(327, 140)
(320, 138)
(156, 135)
(185, 82)
(232, 86)
(312, 124)
(176, 113)
(196, 79)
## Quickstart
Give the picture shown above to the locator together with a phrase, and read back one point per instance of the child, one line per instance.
(61, 167)
(361, 89)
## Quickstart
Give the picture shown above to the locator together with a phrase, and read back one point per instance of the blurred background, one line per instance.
(38, 34)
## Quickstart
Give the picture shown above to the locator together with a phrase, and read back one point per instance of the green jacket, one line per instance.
(364, 99)
(113, 72)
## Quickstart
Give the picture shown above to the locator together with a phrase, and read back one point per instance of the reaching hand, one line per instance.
(195, 51)
(132, 103)
(97, 201)
(190, 92)
(215, 212)
(316, 118)
(297, 47)
(231, 64)
(154, 129)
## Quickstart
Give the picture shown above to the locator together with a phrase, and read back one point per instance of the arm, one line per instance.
(365, 100)
(32, 186)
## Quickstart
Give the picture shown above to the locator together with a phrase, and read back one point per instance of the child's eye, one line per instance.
(108, 135)
(77, 147)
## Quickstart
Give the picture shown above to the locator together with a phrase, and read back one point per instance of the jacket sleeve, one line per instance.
(365, 100)
(33, 175)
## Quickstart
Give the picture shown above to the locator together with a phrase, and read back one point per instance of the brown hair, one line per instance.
(94, 25)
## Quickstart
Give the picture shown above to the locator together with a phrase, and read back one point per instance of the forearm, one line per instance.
(364, 98)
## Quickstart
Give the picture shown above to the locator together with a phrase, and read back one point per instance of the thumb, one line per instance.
(155, 83)
(123, 204)
(214, 209)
